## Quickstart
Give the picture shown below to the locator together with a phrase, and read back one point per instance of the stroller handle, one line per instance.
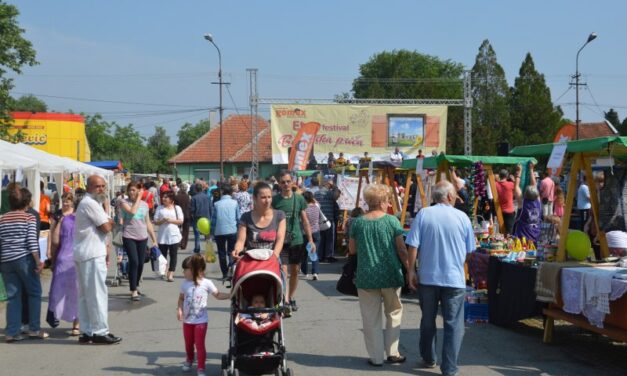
(259, 310)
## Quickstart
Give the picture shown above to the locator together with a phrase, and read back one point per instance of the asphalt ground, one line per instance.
(323, 338)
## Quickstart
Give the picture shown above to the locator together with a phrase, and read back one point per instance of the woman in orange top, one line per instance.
(44, 207)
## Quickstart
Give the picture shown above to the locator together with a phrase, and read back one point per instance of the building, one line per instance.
(202, 158)
(55, 133)
(586, 130)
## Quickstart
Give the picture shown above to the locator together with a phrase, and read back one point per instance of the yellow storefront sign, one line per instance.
(59, 134)
(355, 129)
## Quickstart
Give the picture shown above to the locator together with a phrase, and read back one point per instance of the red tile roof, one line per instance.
(594, 130)
(236, 143)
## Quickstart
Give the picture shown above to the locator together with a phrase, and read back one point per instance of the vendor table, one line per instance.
(511, 294)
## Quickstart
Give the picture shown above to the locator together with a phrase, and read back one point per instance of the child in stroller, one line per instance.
(256, 344)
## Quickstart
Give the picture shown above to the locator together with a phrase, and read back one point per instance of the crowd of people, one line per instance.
(293, 218)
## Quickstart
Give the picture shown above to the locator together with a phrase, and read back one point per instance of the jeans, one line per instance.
(196, 235)
(93, 299)
(136, 252)
(452, 300)
(225, 244)
(20, 275)
(314, 264)
(327, 243)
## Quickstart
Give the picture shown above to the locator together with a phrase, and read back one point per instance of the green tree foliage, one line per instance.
(623, 128)
(490, 94)
(15, 53)
(190, 133)
(28, 103)
(161, 150)
(403, 74)
(612, 117)
(534, 119)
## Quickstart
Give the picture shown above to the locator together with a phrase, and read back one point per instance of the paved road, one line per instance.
(323, 338)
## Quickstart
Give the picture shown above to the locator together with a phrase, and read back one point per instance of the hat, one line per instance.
(616, 239)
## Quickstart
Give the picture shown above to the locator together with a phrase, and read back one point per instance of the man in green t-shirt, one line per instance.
(293, 205)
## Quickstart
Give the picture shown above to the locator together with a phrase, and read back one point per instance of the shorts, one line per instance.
(292, 255)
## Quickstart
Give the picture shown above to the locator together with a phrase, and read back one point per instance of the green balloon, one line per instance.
(578, 245)
(204, 226)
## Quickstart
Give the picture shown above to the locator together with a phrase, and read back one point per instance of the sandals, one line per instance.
(38, 335)
(136, 298)
(396, 359)
(75, 332)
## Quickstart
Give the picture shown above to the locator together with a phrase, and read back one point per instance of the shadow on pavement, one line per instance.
(165, 363)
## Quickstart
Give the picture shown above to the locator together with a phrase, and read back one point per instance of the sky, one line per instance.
(146, 62)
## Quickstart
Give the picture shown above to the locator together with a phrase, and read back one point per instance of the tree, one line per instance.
(612, 117)
(403, 74)
(190, 133)
(490, 92)
(534, 119)
(159, 147)
(101, 142)
(623, 128)
(15, 52)
(28, 103)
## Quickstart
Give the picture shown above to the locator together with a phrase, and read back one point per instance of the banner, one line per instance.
(302, 145)
(348, 193)
(355, 129)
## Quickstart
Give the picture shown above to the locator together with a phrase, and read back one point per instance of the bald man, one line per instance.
(90, 255)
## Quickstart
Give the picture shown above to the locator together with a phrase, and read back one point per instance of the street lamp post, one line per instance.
(209, 37)
(591, 37)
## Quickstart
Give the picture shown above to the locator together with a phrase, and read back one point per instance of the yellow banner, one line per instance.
(355, 129)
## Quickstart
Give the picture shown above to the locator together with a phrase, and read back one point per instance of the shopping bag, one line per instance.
(163, 265)
(3, 291)
(346, 283)
(210, 253)
(118, 231)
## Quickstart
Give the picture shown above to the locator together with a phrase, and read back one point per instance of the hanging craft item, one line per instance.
(479, 180)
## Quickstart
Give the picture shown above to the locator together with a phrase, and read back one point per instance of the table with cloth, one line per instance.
(511, 294)
(594, 293)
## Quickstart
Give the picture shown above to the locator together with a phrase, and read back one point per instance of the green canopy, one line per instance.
(611, 145)
(306, 173)
(466, 160)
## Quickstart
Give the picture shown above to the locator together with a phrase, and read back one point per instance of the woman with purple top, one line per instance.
(63, 300)
(529, 216)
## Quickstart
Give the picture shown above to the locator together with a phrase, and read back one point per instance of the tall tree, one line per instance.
(534, 119)
(403, 74)
(15, 53)
(612, 117)
(490, 94)
(159, 146)
(623, 128)
(190, 133)
(28, 103)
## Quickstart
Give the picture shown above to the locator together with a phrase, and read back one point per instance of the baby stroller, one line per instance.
(253, 349)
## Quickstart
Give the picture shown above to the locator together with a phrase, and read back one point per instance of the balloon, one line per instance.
(578, 245)
(204, 226)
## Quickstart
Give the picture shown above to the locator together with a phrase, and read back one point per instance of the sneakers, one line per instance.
(430, 364)
(201, 372)
(287, 310)
(314, 277)
(397, 359)
(187, 366)
(293, 305)
(308, 276)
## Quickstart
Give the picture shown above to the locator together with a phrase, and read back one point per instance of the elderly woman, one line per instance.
(20, 266)
(377, 239)
(529, 217)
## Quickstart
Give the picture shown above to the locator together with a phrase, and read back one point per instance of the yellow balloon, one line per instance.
(204, 226)
(578, 245)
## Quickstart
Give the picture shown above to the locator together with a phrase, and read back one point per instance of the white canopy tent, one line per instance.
(34, 162)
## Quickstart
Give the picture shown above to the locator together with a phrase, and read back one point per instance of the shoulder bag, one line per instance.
(325, 224)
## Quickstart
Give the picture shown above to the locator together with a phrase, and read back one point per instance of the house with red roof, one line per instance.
(201, 159)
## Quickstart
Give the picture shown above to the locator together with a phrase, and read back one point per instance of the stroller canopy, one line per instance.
(254, 277)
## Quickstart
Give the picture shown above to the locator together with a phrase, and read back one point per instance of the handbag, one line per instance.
(325, 224)
(346, 283)
(118, 231)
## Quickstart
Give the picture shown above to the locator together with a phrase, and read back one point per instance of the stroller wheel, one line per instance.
(225, 362)
(235, 372)
(225, 372)
(288, 372)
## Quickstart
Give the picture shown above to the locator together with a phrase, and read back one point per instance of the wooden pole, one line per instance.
(568, 208)
(605, 252)
(362, 174)
(410, 173)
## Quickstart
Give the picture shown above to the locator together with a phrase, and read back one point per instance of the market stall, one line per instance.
(571, 301)
(442, 163)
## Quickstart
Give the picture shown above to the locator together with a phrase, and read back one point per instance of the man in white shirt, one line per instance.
(90, 255)
(583, 202)
(396, 157)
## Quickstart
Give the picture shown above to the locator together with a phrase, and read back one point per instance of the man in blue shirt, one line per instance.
(445, 237)
(200, 208)
(224, 225)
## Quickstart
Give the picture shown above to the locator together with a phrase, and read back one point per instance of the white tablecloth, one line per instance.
(577, 298)
(43, 249)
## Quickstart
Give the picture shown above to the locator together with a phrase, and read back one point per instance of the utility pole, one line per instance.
(254, 136)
